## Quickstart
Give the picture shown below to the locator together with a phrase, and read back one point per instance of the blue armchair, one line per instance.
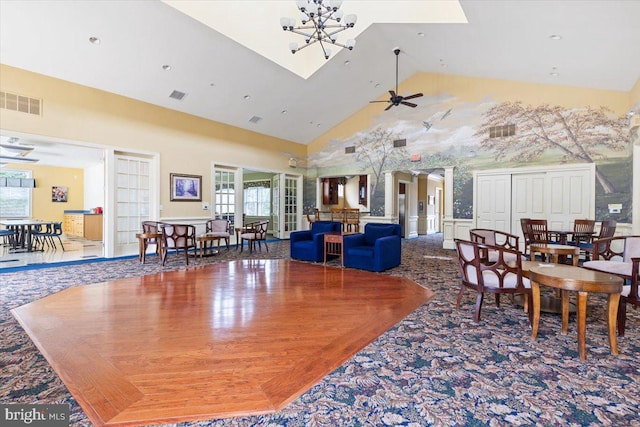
(378, 249)
(308, 245)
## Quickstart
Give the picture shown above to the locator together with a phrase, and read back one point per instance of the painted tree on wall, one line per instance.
(375, 152)
(580, 135)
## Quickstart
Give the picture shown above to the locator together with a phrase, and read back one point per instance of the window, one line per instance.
(257, 198)
(225, 202)
(15, 202)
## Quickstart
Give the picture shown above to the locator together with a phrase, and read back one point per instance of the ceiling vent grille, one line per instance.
(350, 150)
(399, 143)
(255, 119)
(20, 103)
(176, 94)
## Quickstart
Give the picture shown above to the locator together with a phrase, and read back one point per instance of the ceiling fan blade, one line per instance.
(392, 93)
(390, 105)
(371, 102)
(415, 95)
(410, 104)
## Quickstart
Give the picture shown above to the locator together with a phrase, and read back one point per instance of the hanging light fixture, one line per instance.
(321, 21)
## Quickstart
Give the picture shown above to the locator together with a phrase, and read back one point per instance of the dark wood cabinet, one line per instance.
(362, 190)
(330, 191)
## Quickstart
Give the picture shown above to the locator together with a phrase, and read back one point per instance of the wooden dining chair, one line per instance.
(254, 232)
(178, 237)
(351, 220)
(607, 229)
(219, 228)
(499, 277)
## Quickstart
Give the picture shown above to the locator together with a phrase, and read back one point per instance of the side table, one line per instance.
(142, 244)
(333, 245)
(569, 278)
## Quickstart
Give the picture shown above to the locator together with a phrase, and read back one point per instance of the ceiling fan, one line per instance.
(397, 99)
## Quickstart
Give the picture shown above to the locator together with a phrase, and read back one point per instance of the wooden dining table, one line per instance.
(24, 232)
(568, 278)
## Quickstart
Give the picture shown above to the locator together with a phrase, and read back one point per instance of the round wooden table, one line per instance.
(569, 278)
(556, 251)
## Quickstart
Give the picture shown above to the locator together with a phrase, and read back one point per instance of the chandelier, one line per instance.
(321, 21)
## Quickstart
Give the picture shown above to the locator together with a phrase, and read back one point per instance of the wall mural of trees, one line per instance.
(448, 133)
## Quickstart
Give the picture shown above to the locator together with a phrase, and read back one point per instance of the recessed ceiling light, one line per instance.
(247, 97)
(283, 111)
(319, 124)
(555, 37)
(347, 62)
(377, 84)
(212, 84)
(421, 34)
(94, 40)
(166, 67)
(554, 72)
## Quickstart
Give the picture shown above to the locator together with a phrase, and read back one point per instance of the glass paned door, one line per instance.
(225, 195)
(132, 200)
(287, 198)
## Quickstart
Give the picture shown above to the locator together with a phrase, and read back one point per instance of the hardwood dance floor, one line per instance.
(229, 339)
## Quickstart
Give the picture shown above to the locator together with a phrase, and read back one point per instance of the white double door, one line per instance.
(558, 194)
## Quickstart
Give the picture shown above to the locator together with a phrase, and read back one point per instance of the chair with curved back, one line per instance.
(619, 255)
(607, 229)
(494, 238)
(499, 277)
(150, 228)
(219, 228)
(351, 220)
(177, 237)
(254, 232)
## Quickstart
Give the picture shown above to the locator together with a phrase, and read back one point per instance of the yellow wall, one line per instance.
(473, 90)
(47, 177)
(187, 144)
(635, 96)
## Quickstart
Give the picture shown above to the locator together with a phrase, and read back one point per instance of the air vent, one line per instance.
(255, 119)
(399, 143)
(502, 131)
(350, 150)
(22, 104)
(176, 94)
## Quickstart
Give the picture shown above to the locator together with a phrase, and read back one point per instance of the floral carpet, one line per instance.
(436, 367)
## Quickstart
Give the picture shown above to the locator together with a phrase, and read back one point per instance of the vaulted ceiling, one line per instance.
(230, 83)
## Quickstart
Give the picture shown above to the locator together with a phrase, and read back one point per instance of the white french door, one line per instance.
(133, 200)
(287, 199)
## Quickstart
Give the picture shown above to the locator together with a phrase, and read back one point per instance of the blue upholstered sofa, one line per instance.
(378, 249)
(308, 245)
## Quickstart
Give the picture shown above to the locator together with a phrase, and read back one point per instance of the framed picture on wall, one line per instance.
(186, 188)
(420, 207)
(59, 194)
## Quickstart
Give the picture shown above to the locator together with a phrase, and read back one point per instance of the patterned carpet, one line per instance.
(436, 367)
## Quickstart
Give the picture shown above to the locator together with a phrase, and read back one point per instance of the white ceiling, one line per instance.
(502, 39)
